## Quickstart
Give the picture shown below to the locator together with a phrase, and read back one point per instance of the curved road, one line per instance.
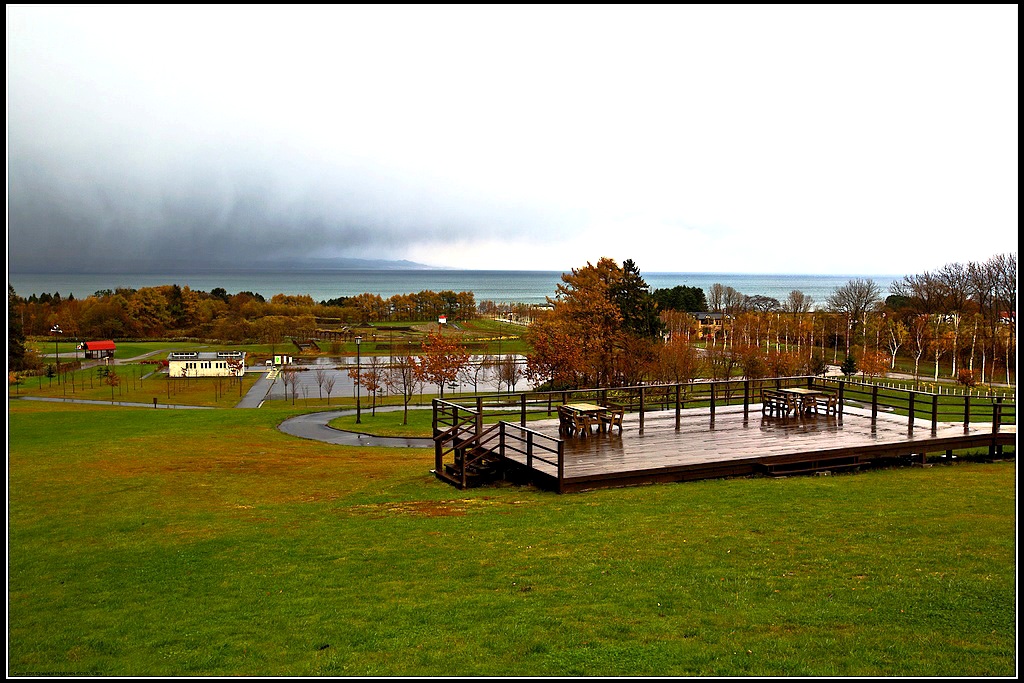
(314, 426)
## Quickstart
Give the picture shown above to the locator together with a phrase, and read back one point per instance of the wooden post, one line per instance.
(479, 426)
(529, 450)
(842, 400)
(561, 464)
(874, 403)
(522, 410)
(967, 413)
(935, 413)
(746, 399)
(641, 410)
(501, 448)
(679, 404)
(712, 407)
(910, 410)
(997, 415)
(463, 469)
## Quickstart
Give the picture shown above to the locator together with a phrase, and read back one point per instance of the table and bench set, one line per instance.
(582, 419)
(798, 401)
(585, 419)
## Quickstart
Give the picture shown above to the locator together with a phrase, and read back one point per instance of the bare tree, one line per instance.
(474, 372)
(290, 380)
(918, 331)
(853, 300)
(403, 378)
(798, 303)
(321, 377)
(371, 377)
(329, 386)
(896, 334)
(510, 371)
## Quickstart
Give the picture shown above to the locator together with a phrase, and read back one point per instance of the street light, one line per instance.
(359, 340)
(56, 354)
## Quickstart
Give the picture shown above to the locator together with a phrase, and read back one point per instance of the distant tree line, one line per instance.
(176, 311)
(602, 330)
(606, 327)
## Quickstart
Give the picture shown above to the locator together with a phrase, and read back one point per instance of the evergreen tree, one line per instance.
(636, 304)
(15, 333)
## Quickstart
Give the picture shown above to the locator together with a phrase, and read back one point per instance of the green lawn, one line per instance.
(161, 543)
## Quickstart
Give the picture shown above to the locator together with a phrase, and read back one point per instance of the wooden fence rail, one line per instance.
(459, 423)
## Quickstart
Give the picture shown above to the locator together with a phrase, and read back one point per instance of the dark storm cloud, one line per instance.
(231, 210)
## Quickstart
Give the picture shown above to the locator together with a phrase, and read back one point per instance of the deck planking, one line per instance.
(732, 444)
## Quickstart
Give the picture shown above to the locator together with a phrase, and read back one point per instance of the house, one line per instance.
(710, 323)
(206, 364)
(98, 349)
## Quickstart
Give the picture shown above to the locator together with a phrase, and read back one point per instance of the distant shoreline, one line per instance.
(501, 286)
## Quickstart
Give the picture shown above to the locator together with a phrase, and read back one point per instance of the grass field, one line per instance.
(160, 543)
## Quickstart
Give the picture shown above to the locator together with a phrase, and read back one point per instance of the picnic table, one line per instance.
(578, 418)
(810, 400)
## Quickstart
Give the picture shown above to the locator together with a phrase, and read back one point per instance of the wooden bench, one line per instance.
(778, 403)
(612, 417)
(575, 423)
(566, 421)
(827, 403)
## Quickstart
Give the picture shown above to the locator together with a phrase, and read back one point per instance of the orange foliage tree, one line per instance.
(443, 357)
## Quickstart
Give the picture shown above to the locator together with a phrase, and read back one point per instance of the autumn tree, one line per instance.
(874, 364)
(112, 380)
(557, 357)
(443, 357)
(597, 308)
(678, 362)
(371, 377)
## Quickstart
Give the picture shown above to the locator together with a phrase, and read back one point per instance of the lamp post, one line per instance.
(56, 353)
(359, 340)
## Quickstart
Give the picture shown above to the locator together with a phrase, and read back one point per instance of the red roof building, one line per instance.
(98, 349)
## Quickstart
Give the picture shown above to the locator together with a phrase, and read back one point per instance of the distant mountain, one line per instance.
(275, 265)
(348, 264)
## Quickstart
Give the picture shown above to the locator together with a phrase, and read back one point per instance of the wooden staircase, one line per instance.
(474, 457)
(481, 466)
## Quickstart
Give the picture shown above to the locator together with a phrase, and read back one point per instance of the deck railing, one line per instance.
(535, 447)
(925, 406)
(714, 395)
(458, 420)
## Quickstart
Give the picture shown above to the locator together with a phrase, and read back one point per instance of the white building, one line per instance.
(206, 364)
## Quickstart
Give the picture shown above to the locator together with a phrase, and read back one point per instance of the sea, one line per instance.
(499, 286)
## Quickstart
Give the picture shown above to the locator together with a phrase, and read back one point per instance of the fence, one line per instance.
(459, 424)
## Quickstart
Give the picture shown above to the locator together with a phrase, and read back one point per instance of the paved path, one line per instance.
(111, 403)
(258, 392)
(314, 426)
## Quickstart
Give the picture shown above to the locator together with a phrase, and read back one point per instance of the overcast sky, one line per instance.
(840, 139)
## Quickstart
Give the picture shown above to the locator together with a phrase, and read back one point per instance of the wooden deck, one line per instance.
(733, 446)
